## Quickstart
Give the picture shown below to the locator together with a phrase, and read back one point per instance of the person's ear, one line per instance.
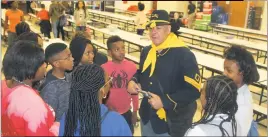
(55, 63)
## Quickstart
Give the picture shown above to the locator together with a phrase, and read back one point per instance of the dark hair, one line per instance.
(84, 7)
(22, 27)
(22, 60)
(81, 34)
(112, 40)
(221, 94)
(43, 6)
(141, 6)
(54, 49)
(84, 104)
(77, 48)
(245, 61)
(31, 36)
(175, 27)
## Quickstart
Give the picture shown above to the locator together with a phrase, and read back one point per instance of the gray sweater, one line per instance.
(55, 92)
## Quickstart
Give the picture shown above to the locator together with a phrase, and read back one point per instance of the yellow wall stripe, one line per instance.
(193, 82)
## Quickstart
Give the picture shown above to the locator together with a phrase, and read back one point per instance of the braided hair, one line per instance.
(221, 94)
(22, 27)
(84, 104)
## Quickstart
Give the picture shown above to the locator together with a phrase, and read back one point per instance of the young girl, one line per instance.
(218, 99)
(82, 51)
(80, 16)
(87, 116)
(239, 65)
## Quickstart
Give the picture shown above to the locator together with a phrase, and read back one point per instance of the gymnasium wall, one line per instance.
(124, 6)
(264, 18)
(180, 6)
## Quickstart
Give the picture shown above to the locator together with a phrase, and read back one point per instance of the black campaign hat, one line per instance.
(158, 18)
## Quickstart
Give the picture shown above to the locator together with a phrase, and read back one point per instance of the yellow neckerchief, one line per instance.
(172, 41)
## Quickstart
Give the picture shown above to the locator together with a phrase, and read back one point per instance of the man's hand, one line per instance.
(134, 117)
(133, 87)
(155, 101)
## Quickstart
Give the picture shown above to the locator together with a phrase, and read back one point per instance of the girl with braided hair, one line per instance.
(86, 115)
(218, 99)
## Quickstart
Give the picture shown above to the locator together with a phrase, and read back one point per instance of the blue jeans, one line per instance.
(55, 28)
(147, 130)
(80, 28)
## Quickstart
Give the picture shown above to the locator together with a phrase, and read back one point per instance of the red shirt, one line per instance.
(43, 14)
(24, 113)
(119, 99)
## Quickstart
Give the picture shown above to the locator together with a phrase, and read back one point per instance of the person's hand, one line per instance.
(134, 117)
(155, 101)
(133, 87)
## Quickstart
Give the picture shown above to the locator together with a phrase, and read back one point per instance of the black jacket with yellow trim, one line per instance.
(178, 75)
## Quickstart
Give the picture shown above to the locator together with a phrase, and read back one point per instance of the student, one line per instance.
(55, 88)
(89, 86)
(218, 99)
(141, 19)
(191, 14)
(22, 27)
(31, 36)
(55, 11)
(45, 26)
(24, 113)
(121, 70)
(28, 7)
(169, 72)
(177, 19)
(82, 51)
(13, 17)
(99, 58)
(80, 16)
(239, 65)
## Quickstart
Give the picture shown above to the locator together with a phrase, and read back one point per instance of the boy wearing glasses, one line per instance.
(55, 87)
(121, 71)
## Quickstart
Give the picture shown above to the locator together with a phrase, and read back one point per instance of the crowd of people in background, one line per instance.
(85, 94)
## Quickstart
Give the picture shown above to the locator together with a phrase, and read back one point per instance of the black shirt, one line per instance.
(191, 8)
(177, 74)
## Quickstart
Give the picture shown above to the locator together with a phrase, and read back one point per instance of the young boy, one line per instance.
(55, 88)
(45, 26)
(122, 71)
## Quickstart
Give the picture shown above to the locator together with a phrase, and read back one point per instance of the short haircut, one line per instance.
(43, 6)
(22, 60)
(22, 27)
(31, 36)
(245, 61)
(112, 40)
(141, 6)
(53, 49)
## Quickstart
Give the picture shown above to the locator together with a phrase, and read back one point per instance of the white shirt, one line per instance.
(244, 114)
(212, 130)
(141, 19)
